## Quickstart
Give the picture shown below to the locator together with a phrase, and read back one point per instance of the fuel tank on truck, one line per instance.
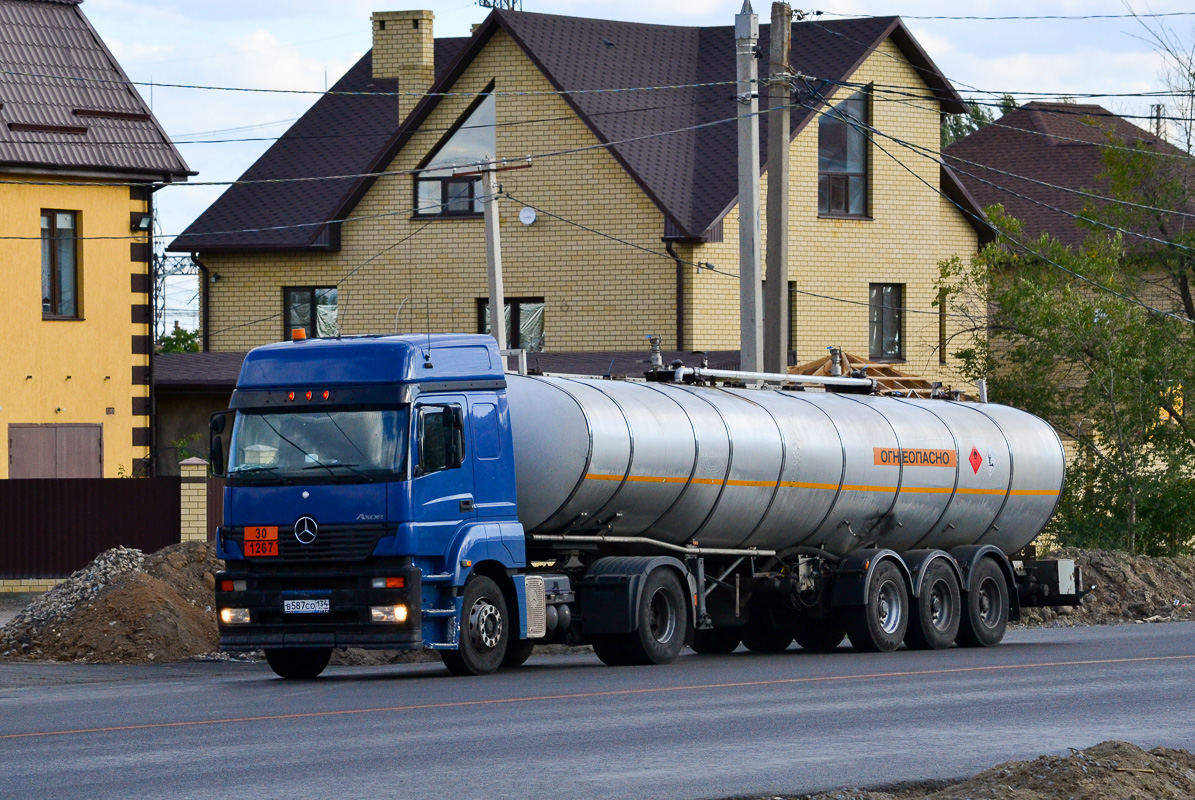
(770, 469)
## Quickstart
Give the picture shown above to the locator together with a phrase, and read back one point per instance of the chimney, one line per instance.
(403, 48)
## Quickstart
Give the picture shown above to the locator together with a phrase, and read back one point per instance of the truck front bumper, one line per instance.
(348, 597)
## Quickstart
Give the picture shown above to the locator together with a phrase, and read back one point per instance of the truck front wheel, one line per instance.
(485, 630)
(298, 663)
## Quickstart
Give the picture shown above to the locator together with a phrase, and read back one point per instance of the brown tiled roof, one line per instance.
(691, 176)
(1054, 143)
(196, 372)
(86, 117)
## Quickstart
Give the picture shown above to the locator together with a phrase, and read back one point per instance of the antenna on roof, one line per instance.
(427, 354)
(505, 5)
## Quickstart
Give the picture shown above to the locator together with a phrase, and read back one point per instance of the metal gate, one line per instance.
(53, 527)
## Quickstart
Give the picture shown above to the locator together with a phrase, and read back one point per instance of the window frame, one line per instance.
(514, 303)
(312, 327)
(844, 177)
(55, 287)
(474, 191)
(877, 316)
(423, 412)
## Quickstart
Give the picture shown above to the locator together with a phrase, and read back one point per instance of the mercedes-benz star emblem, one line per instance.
(305, 530)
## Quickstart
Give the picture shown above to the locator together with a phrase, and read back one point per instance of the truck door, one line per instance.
(443, 475)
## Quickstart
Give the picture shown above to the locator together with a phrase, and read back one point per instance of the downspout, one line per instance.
(680, 294)
(204, 281)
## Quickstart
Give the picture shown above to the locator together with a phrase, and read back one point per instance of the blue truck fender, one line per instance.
(502, 542)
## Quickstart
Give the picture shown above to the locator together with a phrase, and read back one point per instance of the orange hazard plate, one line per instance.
(257, 533)
(261, 549)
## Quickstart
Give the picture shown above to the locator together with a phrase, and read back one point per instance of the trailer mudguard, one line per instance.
(609, 593)
(969, 555)
(853, 575)
(918, 560)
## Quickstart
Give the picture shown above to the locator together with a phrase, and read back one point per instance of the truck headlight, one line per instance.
(234, 616)
(392, 614)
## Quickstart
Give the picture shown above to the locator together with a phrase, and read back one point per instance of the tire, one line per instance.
(878, 626)
(934, 623)
(517, 652)
(716, 641)
(298, 663)
(485, 630)
(767, 630)
(663, 625)
(985, 614)
(819, 636)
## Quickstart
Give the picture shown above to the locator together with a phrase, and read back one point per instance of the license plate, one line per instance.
(253, 549)
(306, 606)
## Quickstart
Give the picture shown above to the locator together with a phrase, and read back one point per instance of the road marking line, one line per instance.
(584, 695)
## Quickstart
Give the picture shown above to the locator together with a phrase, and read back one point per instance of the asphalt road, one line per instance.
(568, 727)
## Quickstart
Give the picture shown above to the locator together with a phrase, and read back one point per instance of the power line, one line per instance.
(1014, 18)
(864, 130)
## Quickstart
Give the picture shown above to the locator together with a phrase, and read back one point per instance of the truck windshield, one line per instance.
(317, 446)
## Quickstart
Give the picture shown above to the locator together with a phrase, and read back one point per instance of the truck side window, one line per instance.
(441, 440)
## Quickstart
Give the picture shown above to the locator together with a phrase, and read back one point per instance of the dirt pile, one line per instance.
(1107, 771)
(1128, 589)
(124, 607)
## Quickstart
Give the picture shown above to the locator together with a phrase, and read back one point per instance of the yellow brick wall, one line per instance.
(72, 371)
(911, 228)
(601, 294)
(28, 585)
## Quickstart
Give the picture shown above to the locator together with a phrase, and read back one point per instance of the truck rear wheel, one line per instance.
(819, 636)
(766, 631)
(934, 623)
(716, 641)
(985, 616)
(879, 624)
(298, 663)
(663, 625)
(485, 630)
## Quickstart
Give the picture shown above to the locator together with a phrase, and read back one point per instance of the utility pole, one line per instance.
(746, 43)
(493, 253)
(776, 290)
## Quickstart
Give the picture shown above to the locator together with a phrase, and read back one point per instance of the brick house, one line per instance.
(80, 158)
(384, 249)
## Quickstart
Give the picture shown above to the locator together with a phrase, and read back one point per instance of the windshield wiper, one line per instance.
(255, 468)
(331, 464)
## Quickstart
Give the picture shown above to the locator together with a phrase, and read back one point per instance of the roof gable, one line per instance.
(90, 120)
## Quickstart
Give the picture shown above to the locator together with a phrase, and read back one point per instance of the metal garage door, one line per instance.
(55, 451)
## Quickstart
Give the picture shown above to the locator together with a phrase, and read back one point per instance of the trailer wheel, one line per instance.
(819, 636)
(517, 652)
(485, 630)
(986, 616)
(298, 663)
(934, 623)
(716, 641)
(766, 631)
(663, 623)
(879, 625)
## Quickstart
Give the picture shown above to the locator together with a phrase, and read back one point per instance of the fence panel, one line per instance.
(52, 527)
(215, 506)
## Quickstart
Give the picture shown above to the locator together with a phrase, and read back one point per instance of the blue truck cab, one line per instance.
(367, 479)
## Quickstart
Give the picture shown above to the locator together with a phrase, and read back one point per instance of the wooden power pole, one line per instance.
(493, 253)
(776, 289)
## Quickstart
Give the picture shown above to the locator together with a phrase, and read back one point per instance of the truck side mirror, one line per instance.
(216, 456)
(219, 421)
(454, 419)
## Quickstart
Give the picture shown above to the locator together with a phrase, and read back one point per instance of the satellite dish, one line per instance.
(527, 215)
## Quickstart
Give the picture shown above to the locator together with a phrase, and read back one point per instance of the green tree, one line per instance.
(956, 126)
(179, 340)
(1067, 341)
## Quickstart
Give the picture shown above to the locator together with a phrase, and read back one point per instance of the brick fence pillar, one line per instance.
(193, 525)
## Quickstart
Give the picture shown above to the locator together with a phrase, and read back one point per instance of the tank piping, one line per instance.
(675, 548)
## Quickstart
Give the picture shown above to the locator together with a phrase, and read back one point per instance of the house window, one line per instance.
(524, 321)
(887, 339)
(311, 308)
(437, 192)
(60, 264)
(842, 159)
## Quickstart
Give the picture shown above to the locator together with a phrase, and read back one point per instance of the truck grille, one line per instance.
(332, 543)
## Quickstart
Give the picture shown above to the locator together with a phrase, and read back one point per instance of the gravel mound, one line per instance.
(123, 607)
(1128, 589)
(1107, 771)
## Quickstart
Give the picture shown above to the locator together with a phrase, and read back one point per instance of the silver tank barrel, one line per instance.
(735, 468)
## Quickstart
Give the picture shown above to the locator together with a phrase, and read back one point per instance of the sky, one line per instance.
(308, 44)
